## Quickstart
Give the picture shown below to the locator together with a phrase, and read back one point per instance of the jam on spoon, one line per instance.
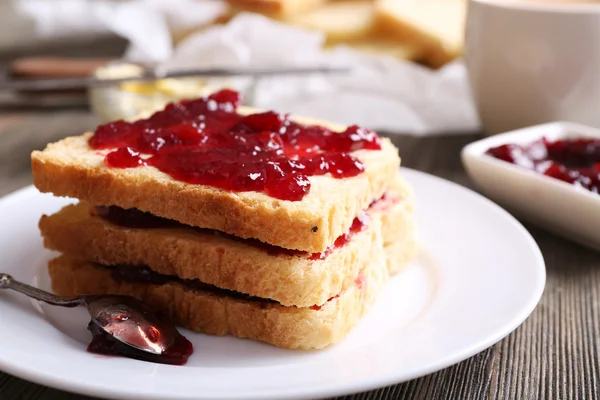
(103, 343)
(120, 325)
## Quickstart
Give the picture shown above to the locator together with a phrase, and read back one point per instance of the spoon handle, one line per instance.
(8, 282)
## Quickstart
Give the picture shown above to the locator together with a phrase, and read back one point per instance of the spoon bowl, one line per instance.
(132, 322)
(122, 318)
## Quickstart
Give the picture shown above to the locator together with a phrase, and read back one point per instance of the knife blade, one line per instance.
(50, 84)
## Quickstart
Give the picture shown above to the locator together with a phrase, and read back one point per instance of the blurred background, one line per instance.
(407, 79)
(404, 56)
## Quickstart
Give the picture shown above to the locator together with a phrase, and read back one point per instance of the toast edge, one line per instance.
(286, 327)
(236, 214)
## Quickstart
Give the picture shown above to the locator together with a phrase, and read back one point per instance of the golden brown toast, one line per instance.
(396, 211)
(217, 314)
(71, 168)
(213, 259)
(226, 263)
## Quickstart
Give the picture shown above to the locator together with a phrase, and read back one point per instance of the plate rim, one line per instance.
(378, 381)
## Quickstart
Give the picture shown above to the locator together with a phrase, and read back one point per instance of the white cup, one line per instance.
(531, 63)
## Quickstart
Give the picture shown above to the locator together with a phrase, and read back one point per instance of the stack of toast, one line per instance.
(295, 273)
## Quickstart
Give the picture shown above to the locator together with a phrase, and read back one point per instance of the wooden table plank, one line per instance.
(554, 354)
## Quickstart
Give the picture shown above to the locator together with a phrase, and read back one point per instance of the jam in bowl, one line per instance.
(572, 160)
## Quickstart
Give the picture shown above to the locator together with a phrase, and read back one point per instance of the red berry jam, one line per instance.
(359, 224)
(103, 343)
(206, 141)
(360, 280)
(575, 161)
(124, 157)
(317, 307)
(133, 218)
(385, 203)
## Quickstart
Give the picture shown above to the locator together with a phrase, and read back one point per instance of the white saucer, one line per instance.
(479, 275)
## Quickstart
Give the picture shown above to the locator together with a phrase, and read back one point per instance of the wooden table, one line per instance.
(554, 354)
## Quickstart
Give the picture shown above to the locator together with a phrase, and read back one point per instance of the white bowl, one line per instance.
(557, 206)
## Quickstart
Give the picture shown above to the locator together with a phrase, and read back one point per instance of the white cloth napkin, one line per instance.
(380, 92)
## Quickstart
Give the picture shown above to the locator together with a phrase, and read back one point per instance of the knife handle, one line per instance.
(54, 67)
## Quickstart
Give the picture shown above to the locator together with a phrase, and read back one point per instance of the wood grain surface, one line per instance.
(553, 355)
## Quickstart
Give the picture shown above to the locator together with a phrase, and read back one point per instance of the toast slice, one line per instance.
(71, 168)
(354, 23)
(396, 212)
(211, 258)
(220, 314)
(290, 278)
(436, 26)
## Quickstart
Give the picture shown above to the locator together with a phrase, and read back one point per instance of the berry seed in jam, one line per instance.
(205, 141)
(575, 161)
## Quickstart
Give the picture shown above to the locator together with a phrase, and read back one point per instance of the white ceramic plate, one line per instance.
(479, 275)
(557, 206)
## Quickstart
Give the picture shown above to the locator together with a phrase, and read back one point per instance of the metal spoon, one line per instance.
(124, 318)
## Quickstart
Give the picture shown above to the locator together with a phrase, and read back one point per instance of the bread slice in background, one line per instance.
(341, 21)
(436, 26)
(274, 8)
(71, 168)
(353, 23)
(428, 32)
(216, 314)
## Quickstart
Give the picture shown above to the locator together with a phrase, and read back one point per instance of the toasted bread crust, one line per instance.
(289, 279)
(225, 263)
(70, 168)
(398, 254)
(397, 220)
(287, 327)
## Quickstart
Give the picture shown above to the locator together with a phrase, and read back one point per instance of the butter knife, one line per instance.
(70, 83)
